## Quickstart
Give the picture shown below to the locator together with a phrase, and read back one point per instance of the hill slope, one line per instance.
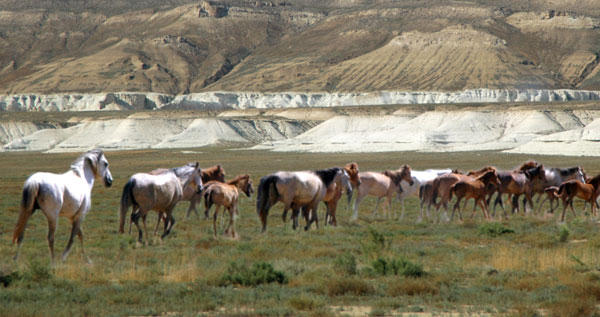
(177, 47)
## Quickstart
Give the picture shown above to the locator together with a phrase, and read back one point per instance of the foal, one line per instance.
(476, 189)
(587, 191)
(226, 195)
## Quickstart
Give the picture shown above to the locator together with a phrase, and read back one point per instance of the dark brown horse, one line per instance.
(226, 195)
(515, 183)
(476, 189)
(587, 191)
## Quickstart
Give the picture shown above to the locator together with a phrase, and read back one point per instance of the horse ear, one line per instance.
(197, 165)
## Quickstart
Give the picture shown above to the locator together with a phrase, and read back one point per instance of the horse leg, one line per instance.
(483, 206)
(80, 235)
(455, 207)
(357, 201)
(215, 220)
(136, 220)
(160, 217)
(572, 210)
(332, 207)
(313, 216)
(376, 206)
(145, 229)
(402, 204)
(52, 224)
(170, 220)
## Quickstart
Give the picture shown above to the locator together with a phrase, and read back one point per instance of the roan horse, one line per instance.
(226, 195)
(213, 173)
(159, 192)
(67, 195)
(295, 190)
(587, 191)
(380, 185)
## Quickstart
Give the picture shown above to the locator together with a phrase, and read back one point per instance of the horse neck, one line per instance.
(84, 172)
(237, 182)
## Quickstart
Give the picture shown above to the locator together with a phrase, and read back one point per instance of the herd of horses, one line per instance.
(69, 194)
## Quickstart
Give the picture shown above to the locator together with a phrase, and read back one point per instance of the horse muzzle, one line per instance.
(108, 181)
(199, 189)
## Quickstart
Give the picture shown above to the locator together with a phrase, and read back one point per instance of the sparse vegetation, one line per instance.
(530, 270)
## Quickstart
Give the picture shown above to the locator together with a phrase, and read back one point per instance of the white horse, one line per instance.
(67, 195)
(419, 178)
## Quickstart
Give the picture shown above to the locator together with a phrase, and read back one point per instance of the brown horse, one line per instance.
(476, 189)
(226, 195)
(335, 190)
(443, 183)
(380, 185)
(551, 196)
(213, 173)
(515, 183)
(587, 191)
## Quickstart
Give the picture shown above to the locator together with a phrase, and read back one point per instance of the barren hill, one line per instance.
(177, 47)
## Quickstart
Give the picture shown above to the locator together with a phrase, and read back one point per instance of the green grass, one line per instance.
(327, 270)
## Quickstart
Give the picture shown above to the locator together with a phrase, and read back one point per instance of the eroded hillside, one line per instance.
(178, 47)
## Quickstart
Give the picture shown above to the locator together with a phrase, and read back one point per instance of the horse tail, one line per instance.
(26, 209)
(560, 192)
(127, 200)
(434, 194)
(267, 194)
(208, 202)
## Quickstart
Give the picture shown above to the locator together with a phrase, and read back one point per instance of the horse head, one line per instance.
(528, 165)
(535, 173)
(489, 178)
(247, 186)
(352, 170)
(580, 174)
(405, 174)
(195, 178)
(98, 164)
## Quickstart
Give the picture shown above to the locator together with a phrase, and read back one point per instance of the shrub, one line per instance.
(397, 267)
(494, 229)
(345, 264)
(37, 271)
(258, 273)
(563, 233)
(412, 287)
(351, 286)
(304, 302)
(375, 244)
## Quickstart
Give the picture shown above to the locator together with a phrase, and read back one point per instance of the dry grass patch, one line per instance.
(412, 287)
(528, 259)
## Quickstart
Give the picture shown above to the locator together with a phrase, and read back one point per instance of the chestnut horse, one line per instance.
(226, 195)
(442, 184)
(295, 189)
(213, 173)
(476, 189)
(380, 185)
(587, 191)
(334, 192)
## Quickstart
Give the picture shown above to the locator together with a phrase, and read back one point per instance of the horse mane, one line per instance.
(486, 174)
(211, 173)
(527, 165)
(482, 171)
(94, 155)
(568, 171)
(237, 179)
(393, 175)
(327, 175)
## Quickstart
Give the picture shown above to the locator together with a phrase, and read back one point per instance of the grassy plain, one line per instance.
(524, 266)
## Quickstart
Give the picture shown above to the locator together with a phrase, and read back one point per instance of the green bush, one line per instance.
(258, 273)
(345, 264)
(37, 271)
(401, 267)
(563, 233)
(494, 229)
